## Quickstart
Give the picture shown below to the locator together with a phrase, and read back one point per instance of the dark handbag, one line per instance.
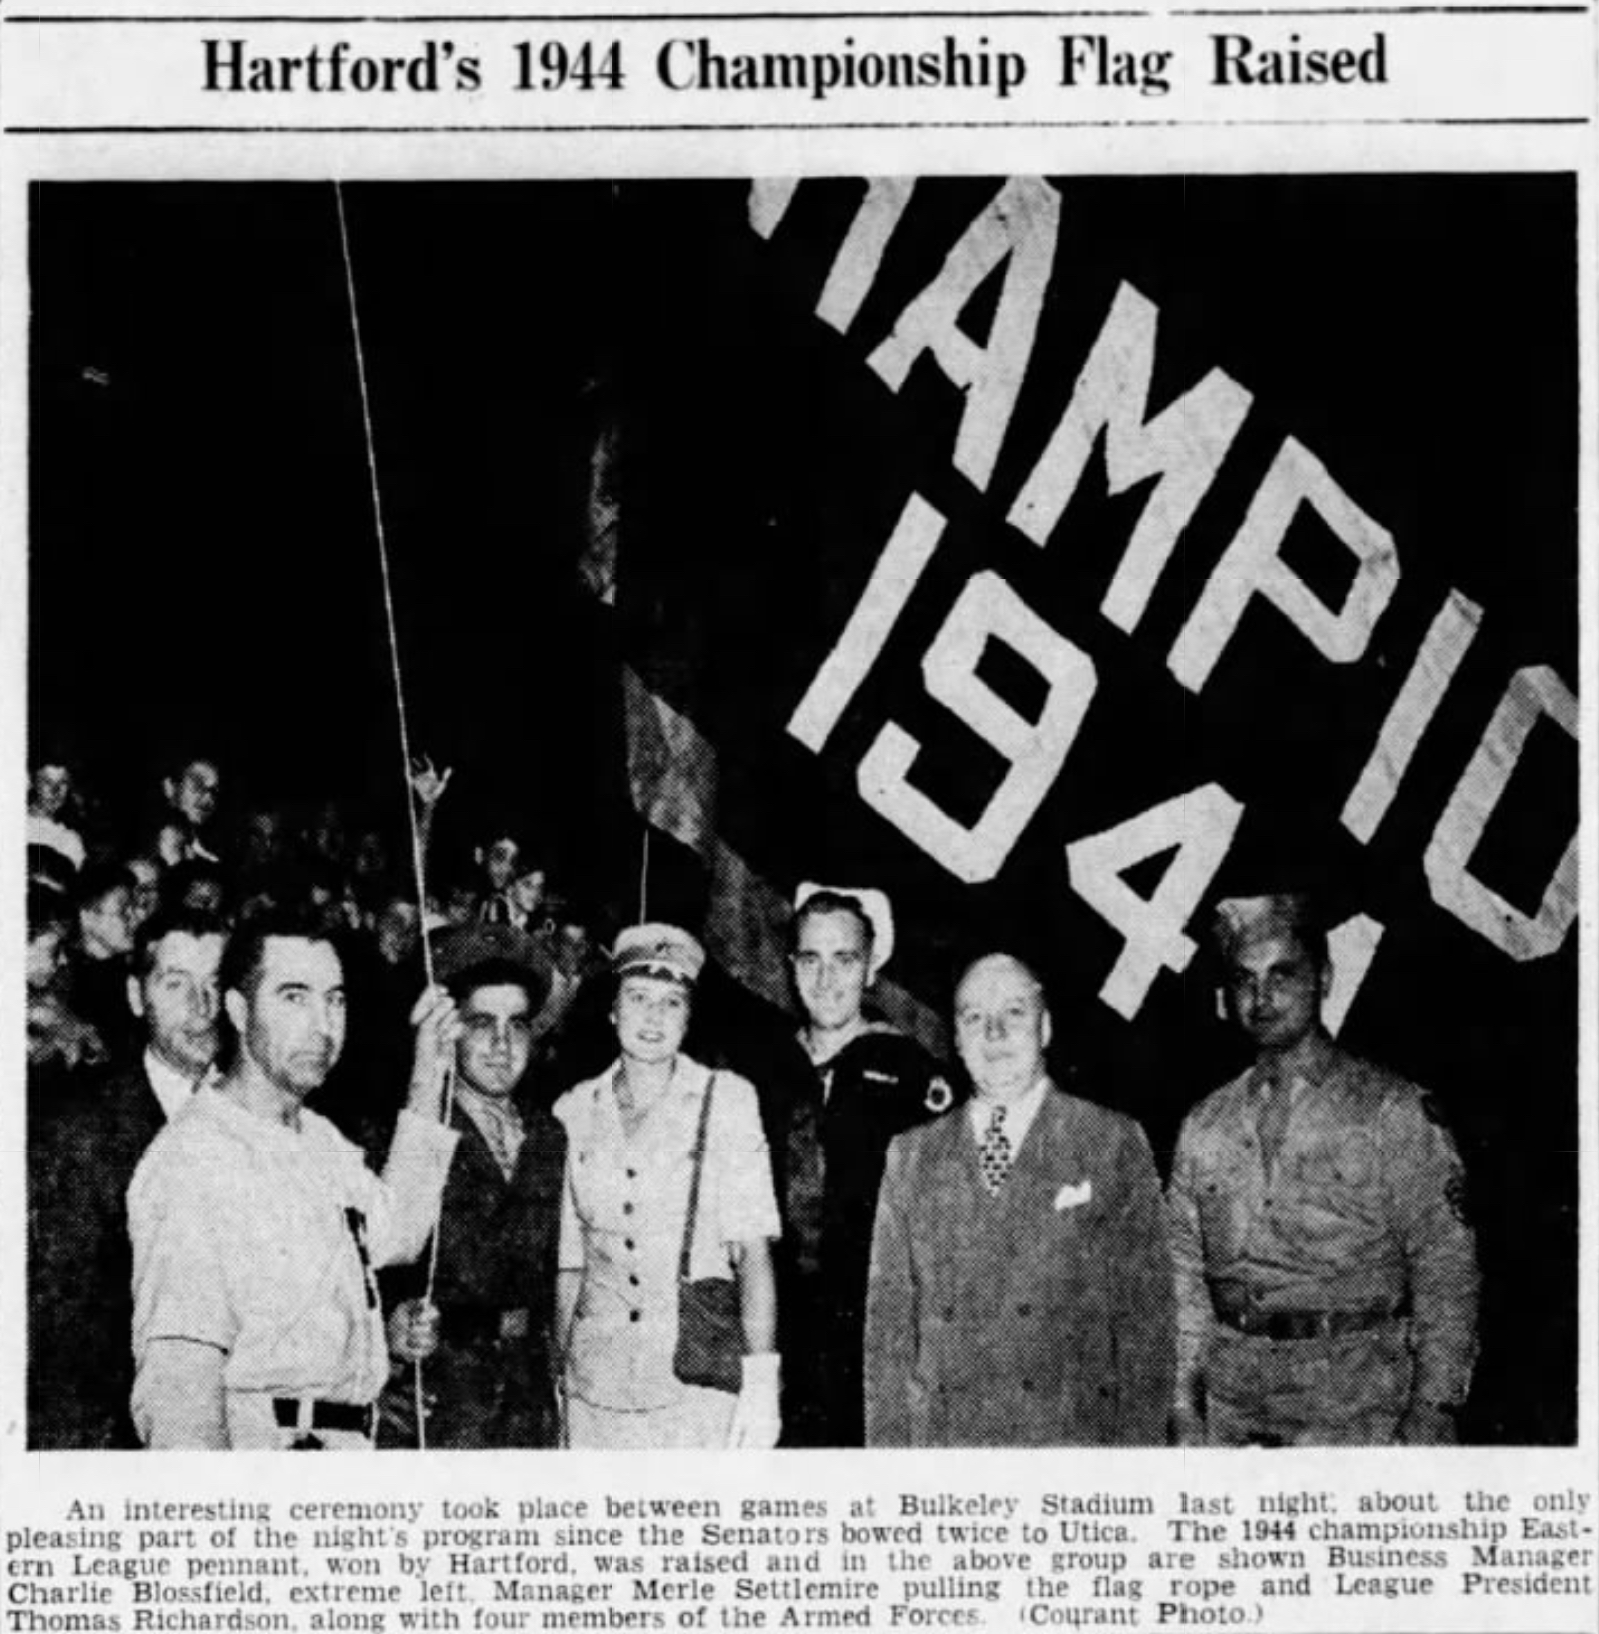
(710, 1323)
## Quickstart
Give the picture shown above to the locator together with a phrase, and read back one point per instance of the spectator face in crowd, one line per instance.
(326, 836)
(198, 887)
(1276, 981)
(193, 792)
(145, 872)
(175, 990)
(396, 930)
(261, 838)
(288, 1012)
(574, 948)
(1002, 1026)
(50, 791)
(370, 860)
(651, 1018)
(527, 893)
(329, 894)
(496, 1037)
(105, 914)
(832, 963)
(48, 930)
(56, 1034)
(500, 861)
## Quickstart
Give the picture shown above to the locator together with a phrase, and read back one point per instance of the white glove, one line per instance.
(757, 1418)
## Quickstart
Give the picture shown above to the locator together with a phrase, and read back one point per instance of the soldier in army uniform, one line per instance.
(842, 1091)
(1326, 1272)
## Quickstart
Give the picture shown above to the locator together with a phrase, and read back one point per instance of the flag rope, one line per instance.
(644, 876)
(417, 851)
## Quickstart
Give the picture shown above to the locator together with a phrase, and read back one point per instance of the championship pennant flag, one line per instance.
(1063, 556)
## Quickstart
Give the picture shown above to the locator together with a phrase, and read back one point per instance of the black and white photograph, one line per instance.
(855, 812)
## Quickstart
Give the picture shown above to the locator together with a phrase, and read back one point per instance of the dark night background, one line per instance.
(203, 570)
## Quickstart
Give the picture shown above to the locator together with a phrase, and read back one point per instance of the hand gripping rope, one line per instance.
(417, 858)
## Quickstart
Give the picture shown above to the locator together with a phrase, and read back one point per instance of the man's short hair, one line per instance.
(179, 763)
(501, 826)
(499, 973)
(172, 919)
(467, 957)
(98, 881)
(824, 901)
(298, 919)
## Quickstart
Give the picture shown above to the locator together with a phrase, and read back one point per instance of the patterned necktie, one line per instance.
(1272, 1123)
(505, 1138)
(994, 1153)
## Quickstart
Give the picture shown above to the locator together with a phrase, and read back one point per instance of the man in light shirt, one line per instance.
(1021, 1288)
(257, 1228)
(81, 1160)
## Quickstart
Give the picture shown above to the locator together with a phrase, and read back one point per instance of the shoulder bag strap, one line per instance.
(694, 1181)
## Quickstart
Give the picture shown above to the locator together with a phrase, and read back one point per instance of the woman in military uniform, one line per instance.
(631, 1134)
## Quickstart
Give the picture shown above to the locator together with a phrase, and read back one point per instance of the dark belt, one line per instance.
(1288, 1325)
(478, 1324)
(323, 1415)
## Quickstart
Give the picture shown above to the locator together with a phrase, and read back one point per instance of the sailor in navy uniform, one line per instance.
(843, 1089)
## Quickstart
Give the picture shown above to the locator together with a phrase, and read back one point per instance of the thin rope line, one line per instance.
(405, 742)
(644, 876)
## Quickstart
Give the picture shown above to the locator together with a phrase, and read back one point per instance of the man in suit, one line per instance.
(80, 1364)
(488, 1382)
(1021, 1287)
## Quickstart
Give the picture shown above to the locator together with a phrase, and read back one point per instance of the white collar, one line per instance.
(478, 1106)
(1019, 1112)
(173, 1089)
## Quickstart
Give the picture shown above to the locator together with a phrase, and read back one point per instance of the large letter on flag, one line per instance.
(987, 609)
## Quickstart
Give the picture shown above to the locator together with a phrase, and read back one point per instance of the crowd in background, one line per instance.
(101, 861)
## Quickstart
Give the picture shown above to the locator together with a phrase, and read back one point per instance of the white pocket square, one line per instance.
(1073, 1194)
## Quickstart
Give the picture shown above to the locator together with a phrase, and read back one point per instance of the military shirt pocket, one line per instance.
(1342, 1163)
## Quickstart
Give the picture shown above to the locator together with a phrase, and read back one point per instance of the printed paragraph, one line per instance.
(518, 1563)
